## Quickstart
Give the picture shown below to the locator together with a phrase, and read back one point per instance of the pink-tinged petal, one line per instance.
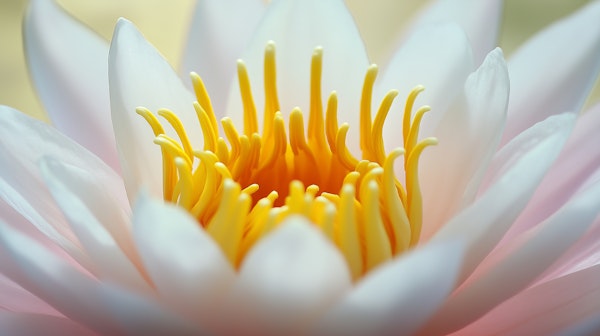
(577, 161)
(19, 324)
(140, 76)
(187, 267)
(589, 326)
(515, 265)
(68, 65)
(468, 136)
(584, 254)
(439, 58)
(398, 297)
(297, 27)
(554, 71)
(15, 298)
(140, 315)
(110, 261)
(287, 281)
(219, 32)
(21, 185)
(526, 159)
(545, 309)
(53, 280)
(479, 19)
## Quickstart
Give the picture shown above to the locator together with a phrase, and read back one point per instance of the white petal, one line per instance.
(218, 34)
(438, 57)
(15, 298)
(525, 258)
(468, 136)
(526, 158)
(139, 315)
(555, 70)
(577, 161)
(53, 280)
(545, 309)
(288, 280)
(109, 259)
(398, 297)
(297, 27)
(187, 267)
(23, 141)
(479, 19)
(68, 65)
(140, 76)
(19, 324)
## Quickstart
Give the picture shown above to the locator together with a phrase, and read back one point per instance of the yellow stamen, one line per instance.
(243, 185)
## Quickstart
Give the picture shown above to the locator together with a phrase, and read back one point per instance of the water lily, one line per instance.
(478, 215)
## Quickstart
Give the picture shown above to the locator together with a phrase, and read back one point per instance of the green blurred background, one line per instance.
(164, 23)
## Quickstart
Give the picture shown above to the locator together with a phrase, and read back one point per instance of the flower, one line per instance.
(510, 193)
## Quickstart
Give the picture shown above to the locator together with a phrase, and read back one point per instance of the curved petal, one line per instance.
(545, 309)
(139, 315)
(468, 136)
(219, 32)
(23, 142)
(15, 324)
(527, 158)
(438, 57)
(519, 262)
(187, 267)
(398, 297)
(297, 27)
(577, 161)
(140, 76)
(110, 261)
(68, 65)
(287, 281)
(555, 70)
(479, 19)
(53, 280)
(16, 299)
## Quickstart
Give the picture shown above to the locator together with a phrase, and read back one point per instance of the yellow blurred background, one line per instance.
(165, 23)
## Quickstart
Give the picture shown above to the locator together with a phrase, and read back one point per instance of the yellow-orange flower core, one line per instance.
(242, 186)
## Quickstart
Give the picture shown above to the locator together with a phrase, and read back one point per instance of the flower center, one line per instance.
(241, 188)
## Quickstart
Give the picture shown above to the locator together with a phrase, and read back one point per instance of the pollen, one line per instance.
(241, 185)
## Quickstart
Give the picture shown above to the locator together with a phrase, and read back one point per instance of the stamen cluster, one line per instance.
(241, 188)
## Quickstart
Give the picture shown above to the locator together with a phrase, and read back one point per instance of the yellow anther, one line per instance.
(377, 130)
(408, 107)
(210, 136)
(250, 120)
(179, 129)
(315, 120)
(203, 98)
(331, 121)
(365, 109)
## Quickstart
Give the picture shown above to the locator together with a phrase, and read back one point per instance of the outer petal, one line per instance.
(519, 262)
(68, 64)
(398, 297)
(438, 57)
(16, 299)
(18, 324)
(577, 161)
(139, 76)
(111, 262)
(469, 135)
(479, 19)
(21, 185)
(187, 267)
(219, 32)
(287, 281)
(53, 280)
(297, 27)
(528, 158)
(546, 308)
(555, 70)
(139, 315)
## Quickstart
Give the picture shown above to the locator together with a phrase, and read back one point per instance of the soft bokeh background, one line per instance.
(164, 23)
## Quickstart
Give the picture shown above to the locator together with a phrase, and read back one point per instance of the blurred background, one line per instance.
(164, 23)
